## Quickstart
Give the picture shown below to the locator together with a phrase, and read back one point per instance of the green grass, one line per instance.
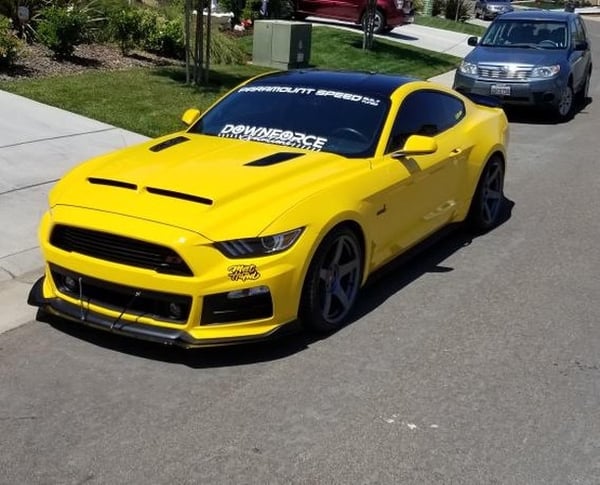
(445, 24)
(150, 101)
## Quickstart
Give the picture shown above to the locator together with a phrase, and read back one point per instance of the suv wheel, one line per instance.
(564, 106)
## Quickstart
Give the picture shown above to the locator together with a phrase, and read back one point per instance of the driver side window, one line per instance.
(424, 112)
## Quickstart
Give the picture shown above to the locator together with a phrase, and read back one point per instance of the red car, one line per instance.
(389, 13)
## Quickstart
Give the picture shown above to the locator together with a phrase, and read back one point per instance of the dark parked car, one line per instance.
(489, 9)
(534, 57)
(389, 13)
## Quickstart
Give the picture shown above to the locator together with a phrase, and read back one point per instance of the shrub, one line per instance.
(164, 37)
(438, 7)
(225, 50)
(418, 5)
(456, 10)
(61, 29)
(125, 27)
(10, 46)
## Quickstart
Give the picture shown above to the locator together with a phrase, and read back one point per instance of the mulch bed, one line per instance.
(37, 61)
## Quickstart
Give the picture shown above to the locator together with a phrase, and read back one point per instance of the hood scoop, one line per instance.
(179, 195)
(112, 183)
(274, 159)
(168, 143)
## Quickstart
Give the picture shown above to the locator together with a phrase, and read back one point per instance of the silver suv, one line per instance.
(489, 9)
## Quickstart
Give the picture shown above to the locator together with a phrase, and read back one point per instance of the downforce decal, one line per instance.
(273, 135)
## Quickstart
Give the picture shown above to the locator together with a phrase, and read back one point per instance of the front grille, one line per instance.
(167, 307)
(119, 249)
(518, 73)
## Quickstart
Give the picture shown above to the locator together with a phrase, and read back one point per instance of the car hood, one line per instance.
(217, 187)
(514, 55)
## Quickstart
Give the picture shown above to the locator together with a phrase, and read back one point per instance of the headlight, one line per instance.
(259, 246)
(545, 71)
(468, 68)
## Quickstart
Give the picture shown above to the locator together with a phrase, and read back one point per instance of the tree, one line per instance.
(369, 24)
(197, 41)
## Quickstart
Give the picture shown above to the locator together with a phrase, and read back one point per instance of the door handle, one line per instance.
(456, 151)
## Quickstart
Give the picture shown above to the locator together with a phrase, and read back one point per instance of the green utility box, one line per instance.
(281, 44)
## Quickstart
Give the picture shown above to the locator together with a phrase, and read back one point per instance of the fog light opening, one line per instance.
(70, 284)
(175, 311)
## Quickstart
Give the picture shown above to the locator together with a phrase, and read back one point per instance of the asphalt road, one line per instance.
(476, 363)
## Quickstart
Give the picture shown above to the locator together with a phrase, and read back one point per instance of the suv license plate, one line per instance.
(500, 89)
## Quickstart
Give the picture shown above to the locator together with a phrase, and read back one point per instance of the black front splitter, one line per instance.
(165, 336)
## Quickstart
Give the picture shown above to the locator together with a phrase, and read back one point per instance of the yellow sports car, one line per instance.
(274, 206)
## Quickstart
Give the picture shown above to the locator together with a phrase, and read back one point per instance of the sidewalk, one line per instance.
(38, 144)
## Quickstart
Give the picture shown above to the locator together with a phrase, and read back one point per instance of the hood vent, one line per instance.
(180, 195)
(112, 183)
(168, 143)
(274, 159)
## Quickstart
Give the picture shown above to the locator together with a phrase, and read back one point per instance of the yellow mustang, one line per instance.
(274, 206)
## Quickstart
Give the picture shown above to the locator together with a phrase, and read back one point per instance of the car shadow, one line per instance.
(422, 259)
(527, 115)
(384, 284)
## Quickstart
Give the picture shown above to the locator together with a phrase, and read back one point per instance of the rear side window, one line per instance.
(425, 112)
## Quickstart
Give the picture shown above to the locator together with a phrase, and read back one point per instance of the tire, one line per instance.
(380, 22)
(332, 282)
(564, 105)
(486, 207)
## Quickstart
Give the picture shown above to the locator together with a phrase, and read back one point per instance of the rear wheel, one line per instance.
(486, 206)
(332, 282)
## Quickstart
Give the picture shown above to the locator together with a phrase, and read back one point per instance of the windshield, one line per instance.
(536, 34)
(316, 119)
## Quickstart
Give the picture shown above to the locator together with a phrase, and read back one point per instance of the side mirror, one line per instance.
(416, 145)
(582, 45)
(472, 41)
(190, 116)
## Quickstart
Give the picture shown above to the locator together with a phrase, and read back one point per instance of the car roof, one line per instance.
(356, 81)
(534, 14)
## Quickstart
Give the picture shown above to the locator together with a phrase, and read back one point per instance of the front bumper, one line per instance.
(221, 302)
(544, 92)
(166, 336)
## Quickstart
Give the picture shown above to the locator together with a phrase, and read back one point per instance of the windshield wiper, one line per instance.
(528, 46)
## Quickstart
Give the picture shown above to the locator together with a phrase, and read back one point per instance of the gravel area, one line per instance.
(37, 61)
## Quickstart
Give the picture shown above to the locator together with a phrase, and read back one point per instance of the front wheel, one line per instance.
(379, 23)
(486, 206)
(332, 282)
(564, 106)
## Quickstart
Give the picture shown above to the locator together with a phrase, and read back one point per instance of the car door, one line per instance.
(338, 9)
(425, 200)
(578, 58)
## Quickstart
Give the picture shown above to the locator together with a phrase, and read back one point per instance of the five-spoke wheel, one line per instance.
(332, 282)
(486, 207)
